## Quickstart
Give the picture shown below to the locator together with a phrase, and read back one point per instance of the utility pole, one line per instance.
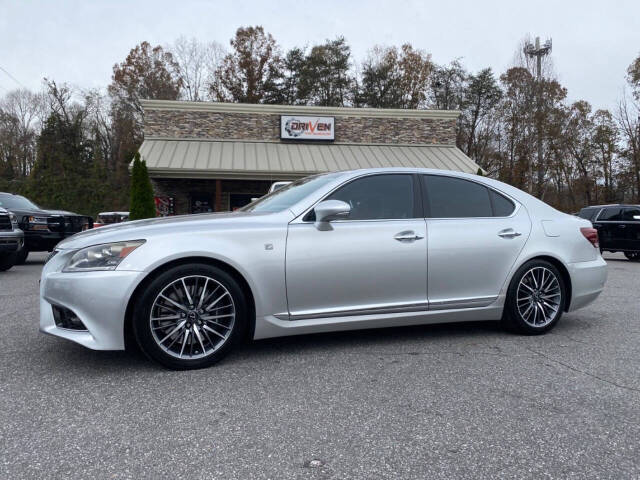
(538, 51)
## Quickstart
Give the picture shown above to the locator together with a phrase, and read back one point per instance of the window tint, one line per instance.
(290, 194)
(378, 197)
(449, 197)
(611, 214)
(629, 213)
(588, 213)
(502, 206)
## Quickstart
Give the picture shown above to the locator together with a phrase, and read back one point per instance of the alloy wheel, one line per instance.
(192, 317)
(539, 297)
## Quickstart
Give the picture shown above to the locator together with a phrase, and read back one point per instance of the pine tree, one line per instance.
(142, 202)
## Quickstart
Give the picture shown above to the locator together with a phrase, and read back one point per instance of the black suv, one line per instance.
(618, 228)
(43, 229)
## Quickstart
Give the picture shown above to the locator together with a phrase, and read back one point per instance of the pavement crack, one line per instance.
(592, 375)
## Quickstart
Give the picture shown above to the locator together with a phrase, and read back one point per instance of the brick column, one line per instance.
(218, 201)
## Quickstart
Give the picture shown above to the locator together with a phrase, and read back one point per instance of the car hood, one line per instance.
(148, 228)
(43, 212)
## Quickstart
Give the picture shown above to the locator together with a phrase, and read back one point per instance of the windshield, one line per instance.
(16, 202)
(289, 195)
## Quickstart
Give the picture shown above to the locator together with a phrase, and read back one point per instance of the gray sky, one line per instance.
(79, 41)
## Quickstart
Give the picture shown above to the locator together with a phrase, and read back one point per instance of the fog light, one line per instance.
(65, 318)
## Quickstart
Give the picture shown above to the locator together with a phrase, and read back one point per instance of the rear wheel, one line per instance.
(633, 256)
(190, 316)
(7, 260)
(535, 299)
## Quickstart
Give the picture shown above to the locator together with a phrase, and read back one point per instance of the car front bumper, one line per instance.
(587, 281)
(11, 241)
(98, 300)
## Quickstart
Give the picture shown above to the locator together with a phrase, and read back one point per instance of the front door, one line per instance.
(375, 261)
(475, 235)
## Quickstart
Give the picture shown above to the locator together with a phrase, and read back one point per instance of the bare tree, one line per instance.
(629, 121)
(197, 62)
(21, 116)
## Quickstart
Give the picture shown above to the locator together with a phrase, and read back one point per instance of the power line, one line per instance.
(13, 78)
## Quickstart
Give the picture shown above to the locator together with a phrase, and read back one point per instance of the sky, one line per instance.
(78, 42)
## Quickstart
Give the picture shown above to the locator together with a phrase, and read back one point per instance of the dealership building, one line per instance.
(205, 156)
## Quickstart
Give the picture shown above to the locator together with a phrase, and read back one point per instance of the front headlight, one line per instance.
(14, 220)
(101, 257)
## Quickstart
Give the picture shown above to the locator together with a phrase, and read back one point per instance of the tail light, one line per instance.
(591, 234)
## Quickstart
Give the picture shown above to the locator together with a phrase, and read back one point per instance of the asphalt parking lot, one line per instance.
(454, 401)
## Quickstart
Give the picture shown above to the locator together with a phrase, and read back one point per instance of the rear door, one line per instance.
(631, 219)
(475, 235)
(611, 229)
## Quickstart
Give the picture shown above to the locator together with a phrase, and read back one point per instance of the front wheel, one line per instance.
(536, 298)
(633, 256)
(190, 316)
(21, 256)
(7, 260)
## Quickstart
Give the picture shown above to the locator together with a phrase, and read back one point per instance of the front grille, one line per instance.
(10, 241)
(5, 223)
(65, 318)
(68, 224)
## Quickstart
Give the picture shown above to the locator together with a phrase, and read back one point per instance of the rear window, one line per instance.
(450, 197)
(610, 214)
(588, 213)
(502, 206)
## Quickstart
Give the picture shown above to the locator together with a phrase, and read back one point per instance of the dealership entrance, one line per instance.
(205, 156)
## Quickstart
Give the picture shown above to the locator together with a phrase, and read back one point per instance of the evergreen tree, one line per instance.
(142, 202)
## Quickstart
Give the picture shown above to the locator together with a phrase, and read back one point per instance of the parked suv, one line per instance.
(11, 240)
(43, 229)
(618, 228)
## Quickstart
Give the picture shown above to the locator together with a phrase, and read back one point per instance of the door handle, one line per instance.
(508, 233)
(407, 236)
(622, 226)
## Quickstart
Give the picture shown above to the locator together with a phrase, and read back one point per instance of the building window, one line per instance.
(201, 202)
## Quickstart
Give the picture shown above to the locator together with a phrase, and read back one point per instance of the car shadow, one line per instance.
(368, 341)
(67, 356)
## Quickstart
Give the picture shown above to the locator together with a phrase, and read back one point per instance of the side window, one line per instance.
(631, 214)
(378, 197)
(502, 206)
(610, 214)
(449, 197)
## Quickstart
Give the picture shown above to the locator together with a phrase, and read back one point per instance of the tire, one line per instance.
(533, 317)
(21, 256)
(182, 334)
(7, 260)
(633, 256)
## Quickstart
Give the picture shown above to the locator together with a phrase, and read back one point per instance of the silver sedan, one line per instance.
(341, 251)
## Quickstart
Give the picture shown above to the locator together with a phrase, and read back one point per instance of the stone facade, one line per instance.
(261, 123)
(266, 127)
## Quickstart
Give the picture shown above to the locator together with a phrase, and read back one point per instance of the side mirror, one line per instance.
(330, 210)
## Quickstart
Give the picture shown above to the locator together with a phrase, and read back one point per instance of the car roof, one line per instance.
(612, 205)
(113, 213)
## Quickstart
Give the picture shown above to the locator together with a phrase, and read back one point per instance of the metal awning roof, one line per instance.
(180, 158)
